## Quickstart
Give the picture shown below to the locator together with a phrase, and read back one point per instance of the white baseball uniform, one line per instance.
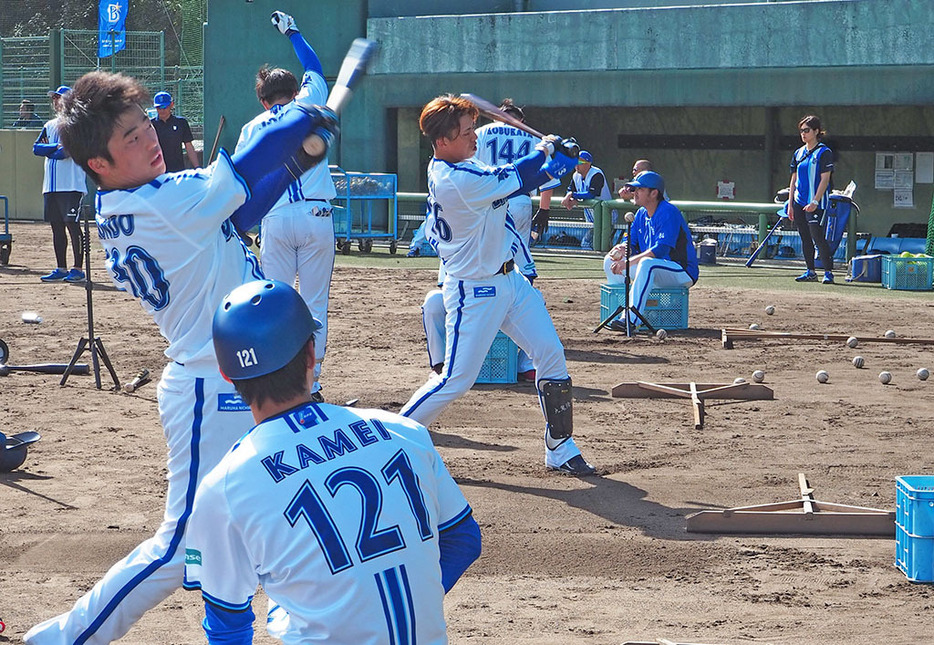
(61, 175)
(337, 513)
(582, 184)
(170, 243)
(467, 225)
(298, 234)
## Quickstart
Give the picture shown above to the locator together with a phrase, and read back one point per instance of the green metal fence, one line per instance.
(31, 65)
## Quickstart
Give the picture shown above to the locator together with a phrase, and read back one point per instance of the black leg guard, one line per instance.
(557, 404)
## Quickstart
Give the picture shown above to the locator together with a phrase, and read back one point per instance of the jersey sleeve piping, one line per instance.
(457, 519)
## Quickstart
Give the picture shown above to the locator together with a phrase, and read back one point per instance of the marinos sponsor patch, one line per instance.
(484, 292)
(192, 556)
(227, 402)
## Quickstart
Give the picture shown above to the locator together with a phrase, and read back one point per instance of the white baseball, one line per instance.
(852, 342)
(890, 333)
(754, 327)
(769, 310)
(923, 373)
(661, 334)
(858, 362)
(738, 380)
(758, 376)
(885, 377)
(822, 376)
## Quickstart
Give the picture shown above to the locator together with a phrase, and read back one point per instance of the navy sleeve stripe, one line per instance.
(457, 519)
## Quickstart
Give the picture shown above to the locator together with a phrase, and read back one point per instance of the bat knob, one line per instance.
(4, 370)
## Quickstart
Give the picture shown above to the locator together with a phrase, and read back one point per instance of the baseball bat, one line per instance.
(45, 368)
(217, 139)
(353, 69)
(138, 381)
(755, 254)
(490, 111)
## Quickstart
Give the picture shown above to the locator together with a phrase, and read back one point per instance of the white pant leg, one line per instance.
(433, 320)
(198, 435)
(587, 238)
(472, 317)
(529, 324)
(277, 253)
(611, 277)
(315, 247)
(653, 273)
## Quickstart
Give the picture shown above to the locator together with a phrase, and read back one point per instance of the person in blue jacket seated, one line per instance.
(662, 253)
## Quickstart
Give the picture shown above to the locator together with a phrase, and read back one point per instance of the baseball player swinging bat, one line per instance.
(138, 381)
(45, 368)
(353, 68)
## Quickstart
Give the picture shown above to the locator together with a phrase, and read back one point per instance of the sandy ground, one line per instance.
(598, 560)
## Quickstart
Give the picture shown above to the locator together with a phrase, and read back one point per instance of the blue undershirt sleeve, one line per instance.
(460, 546)
(306, 55)
(531, 175)
(224, 627)
(47, 150)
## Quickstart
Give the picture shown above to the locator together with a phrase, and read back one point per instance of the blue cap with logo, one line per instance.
(584, 157)
(648, 179)
(61, 91)
(162, 100)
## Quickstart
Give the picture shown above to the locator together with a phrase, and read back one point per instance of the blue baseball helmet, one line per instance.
(259, 327)
(648, 179)
(162, 100)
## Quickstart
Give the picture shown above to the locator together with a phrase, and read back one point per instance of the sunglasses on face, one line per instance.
(804, 130)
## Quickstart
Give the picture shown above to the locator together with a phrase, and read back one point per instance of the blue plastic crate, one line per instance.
(914, 504)
(501, 364)
(913, 555)
(907, 274)
(664, 308)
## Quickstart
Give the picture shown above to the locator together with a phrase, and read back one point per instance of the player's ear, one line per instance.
(99, 165)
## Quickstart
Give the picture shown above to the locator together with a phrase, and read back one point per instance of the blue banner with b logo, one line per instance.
(111, 24)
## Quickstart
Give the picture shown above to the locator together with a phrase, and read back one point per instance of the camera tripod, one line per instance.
(90, 342)
(626, 307)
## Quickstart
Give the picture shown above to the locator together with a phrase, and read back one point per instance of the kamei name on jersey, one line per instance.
(329, 448)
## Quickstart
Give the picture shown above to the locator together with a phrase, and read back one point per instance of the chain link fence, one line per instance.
(29, 64)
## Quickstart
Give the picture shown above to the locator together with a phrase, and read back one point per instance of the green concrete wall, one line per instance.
(21, 174)
(239, 38)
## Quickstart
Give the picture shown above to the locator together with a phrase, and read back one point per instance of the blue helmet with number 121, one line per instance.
(259, 327)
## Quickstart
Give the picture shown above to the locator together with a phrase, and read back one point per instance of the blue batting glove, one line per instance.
(559, 165)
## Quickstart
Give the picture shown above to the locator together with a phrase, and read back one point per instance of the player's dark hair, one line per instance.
(280, 386)
(89, 113)
(509, 107)
(442, 115)
(275, 84)
(813, 122)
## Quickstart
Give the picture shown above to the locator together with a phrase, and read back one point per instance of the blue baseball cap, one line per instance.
(648, 179)
(584, 157)
(162, 100)
(61, 91)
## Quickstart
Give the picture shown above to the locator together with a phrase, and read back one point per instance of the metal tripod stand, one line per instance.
(626, 307)
(90, 342)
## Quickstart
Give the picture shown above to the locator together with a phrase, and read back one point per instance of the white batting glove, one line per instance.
(283, 22)
(548, 144)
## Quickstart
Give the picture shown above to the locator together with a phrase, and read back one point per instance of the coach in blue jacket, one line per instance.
(662, 253)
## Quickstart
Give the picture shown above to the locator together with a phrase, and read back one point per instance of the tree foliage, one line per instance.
(38, 17)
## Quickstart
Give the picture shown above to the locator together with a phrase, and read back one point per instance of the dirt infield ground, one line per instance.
(565, 561)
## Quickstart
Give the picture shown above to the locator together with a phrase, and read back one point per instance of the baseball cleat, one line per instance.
(616, 325)
(56, 276)
(828, 278)
(807, 276)
(317, 397)
(575, 466)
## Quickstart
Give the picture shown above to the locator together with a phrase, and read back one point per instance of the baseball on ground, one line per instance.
(758, 376)
(822, 376)
(885, 377)
(852, 342)
(890, 333)
(661, 334)
(923, 373)
(738, 380)
(754, 327)
(769, 310)
(858, 362)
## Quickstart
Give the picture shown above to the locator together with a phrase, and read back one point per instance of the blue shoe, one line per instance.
(75, 275)
(828, 278)
(56, 276)
(807, 276)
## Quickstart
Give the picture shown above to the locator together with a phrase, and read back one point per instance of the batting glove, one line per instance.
(323, 135)
(284, 23)
(548, 144)
(560, 164)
